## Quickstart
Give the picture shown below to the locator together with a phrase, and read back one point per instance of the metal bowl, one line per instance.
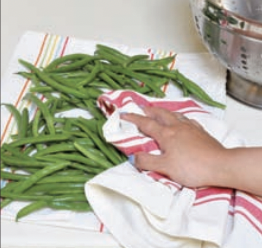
(232, 31)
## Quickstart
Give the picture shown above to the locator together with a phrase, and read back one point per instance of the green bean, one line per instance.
(60, 192)
(28, 197)
(71, 198)
(99, 84)
(73, 206)
(25, 197)
(66, 147)
(28, 75)
(24, 123)
(32, 207)
(198, 91)
(14, 161)
(40, 174)
(136, 58)
(65, 58)
(13, 176)
(48, 187)
(73, 66)
(41, 89)
(65, 179)
(71, 75)
(40, 139)
(35, 128)
(152, 64)
(67, 176)
(71, 157)
(85, 141)
(73, 134)
(70, 172)
(18, 118)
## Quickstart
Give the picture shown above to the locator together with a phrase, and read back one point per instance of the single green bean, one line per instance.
(41, 89)
(14, 111)
(40, 139)
(14, 161)
(61, 192)
(45, 188)
(63, 59)
(198, 91)
(134, 58)
(73, 206)
(13, 176)
(40, 174)
(73, 66)
(65, 179)
(65, 147)
(32, 207)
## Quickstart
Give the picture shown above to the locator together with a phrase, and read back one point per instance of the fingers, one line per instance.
(161, 115)
(146, 161)
(146, 125)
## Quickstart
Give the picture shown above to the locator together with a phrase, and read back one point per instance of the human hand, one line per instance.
(188, 152)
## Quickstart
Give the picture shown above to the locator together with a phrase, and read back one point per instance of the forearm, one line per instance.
(240, 168)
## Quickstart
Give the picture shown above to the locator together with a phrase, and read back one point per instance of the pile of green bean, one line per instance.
(50, 158)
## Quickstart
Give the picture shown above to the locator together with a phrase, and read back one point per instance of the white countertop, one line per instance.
(137, 23)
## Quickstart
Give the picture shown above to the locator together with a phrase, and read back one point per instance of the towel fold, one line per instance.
(146, 209)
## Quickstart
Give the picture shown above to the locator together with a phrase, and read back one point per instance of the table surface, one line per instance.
(167, 25)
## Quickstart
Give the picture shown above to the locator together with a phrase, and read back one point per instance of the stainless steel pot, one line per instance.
(232, 31)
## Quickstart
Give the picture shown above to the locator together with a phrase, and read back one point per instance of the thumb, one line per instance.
(146, 161)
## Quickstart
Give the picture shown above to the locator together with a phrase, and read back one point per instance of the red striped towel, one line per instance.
(150, 211)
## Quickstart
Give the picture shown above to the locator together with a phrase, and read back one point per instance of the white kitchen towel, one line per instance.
(146, 209)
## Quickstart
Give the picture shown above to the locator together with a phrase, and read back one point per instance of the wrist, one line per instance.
(219, 169)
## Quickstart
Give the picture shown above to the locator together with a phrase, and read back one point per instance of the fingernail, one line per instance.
(131, 159)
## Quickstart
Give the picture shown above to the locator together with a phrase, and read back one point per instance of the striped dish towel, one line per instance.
(146, 209)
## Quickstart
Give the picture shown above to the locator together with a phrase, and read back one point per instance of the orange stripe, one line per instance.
(24, 88)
